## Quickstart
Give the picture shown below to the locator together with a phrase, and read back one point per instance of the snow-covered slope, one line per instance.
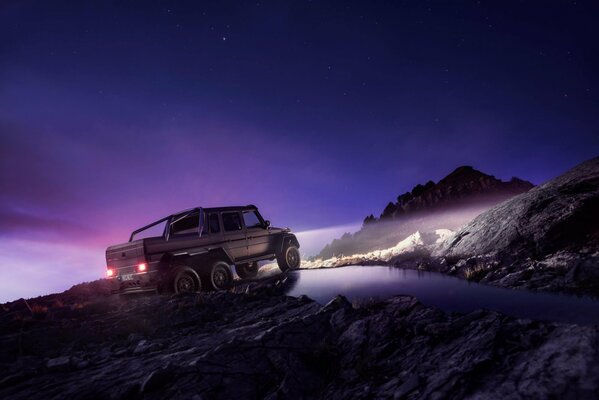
(416, 243)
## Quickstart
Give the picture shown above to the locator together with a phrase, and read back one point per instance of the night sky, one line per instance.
(113, 114)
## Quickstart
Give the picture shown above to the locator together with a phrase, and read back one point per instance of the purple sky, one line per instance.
(320, 113)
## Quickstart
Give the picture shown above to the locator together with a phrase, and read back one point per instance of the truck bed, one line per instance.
(126, 255)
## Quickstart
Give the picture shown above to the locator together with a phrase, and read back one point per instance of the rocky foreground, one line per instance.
(265, 345)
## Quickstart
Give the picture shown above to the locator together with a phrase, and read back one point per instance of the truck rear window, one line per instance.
(231, 221)
(186, 225)
(152, 231)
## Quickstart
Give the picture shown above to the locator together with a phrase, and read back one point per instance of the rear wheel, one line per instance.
(246, 271)
(219, 276)
(289, 258)
(185, 280)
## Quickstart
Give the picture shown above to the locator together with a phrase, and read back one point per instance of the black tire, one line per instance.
(185, 280)
(247, 271)
(289, 258)
(219, 276)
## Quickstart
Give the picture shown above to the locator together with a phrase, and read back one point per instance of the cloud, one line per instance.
(312, 241)
(18, 223)
(31, 268)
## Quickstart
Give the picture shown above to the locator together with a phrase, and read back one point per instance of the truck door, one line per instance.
(257, 233)
(234, 234)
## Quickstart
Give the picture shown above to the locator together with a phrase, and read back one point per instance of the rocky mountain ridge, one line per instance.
(463, 185)
(447, 204)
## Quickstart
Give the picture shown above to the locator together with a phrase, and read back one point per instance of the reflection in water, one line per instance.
(441, 291)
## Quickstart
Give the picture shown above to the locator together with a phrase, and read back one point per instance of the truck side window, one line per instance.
(214, 225)
(186, 225)
(231, 221)
(211, 224)
(251, 220)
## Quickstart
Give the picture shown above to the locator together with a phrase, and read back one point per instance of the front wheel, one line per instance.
(289, 258)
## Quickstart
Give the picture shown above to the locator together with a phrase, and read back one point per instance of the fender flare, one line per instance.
(288, 239)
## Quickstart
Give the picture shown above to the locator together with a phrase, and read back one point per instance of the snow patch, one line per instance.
(417, 241)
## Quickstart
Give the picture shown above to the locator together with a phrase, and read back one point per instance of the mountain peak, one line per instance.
(465, 173)
(463, 168)
(464, 184)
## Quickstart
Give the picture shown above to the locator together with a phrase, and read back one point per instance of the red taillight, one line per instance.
(109, 273)
(142, 267)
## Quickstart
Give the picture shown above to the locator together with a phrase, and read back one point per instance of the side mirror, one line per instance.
(267, 223)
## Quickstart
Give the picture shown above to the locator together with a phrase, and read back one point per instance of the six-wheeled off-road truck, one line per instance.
(196, 250)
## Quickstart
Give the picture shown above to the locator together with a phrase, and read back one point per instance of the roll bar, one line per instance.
(170, 220)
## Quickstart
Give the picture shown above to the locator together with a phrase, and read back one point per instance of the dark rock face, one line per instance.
(546, 238)
(419, 210)
(562, 214)
(246, 346)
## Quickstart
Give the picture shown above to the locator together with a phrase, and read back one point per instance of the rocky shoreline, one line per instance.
(262, 344)
(562, 272)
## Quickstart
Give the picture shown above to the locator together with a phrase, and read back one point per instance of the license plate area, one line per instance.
(127, 277)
